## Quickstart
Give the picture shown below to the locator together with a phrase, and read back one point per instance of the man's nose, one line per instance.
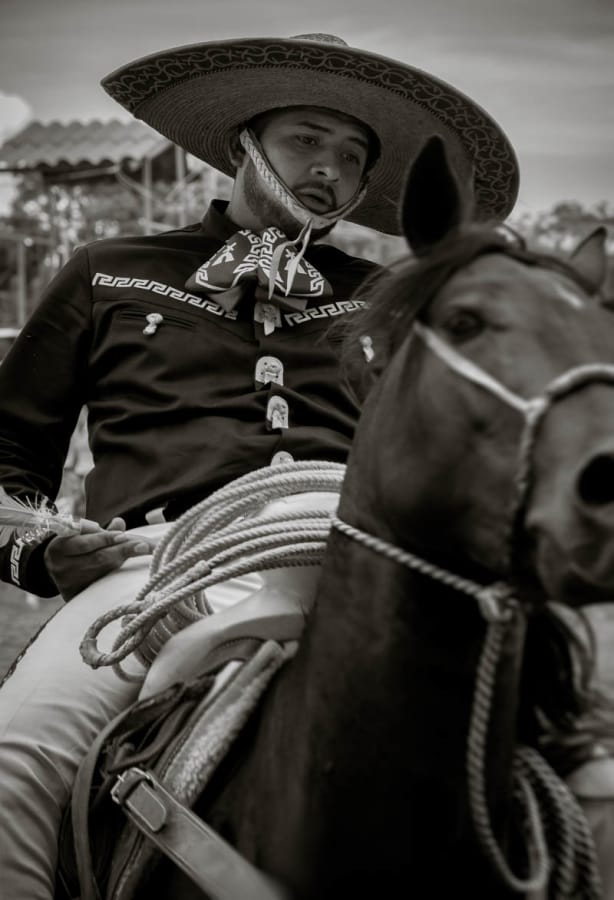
(326, 166)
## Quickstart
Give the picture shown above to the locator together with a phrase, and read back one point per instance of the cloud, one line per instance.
(14, 113)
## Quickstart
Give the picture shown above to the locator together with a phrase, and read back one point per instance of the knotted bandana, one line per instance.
(268, 258)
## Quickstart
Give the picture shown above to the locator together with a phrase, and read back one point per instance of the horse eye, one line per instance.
(462, 325)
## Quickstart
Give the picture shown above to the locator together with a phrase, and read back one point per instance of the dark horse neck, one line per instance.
(357, 781)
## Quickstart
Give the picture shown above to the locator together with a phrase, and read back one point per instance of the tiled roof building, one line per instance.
(57, 148)
(73, 163)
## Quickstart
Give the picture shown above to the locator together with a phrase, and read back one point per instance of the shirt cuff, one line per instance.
(23, 564)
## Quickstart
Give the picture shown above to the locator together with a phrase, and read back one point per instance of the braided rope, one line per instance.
(575, 872)
(491, 599)
(523, 792)
(499, 613)
(214, 541)
(566, 844)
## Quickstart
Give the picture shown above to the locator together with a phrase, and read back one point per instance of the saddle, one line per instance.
(132, 798)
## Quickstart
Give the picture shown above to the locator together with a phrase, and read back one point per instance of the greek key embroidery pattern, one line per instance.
(165, 290)
(322, 312)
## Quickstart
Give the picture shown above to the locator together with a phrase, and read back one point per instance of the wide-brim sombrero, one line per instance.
(198, 95)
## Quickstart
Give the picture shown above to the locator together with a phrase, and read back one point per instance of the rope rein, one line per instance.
(522, 787)
(559, 836)
(491, 598)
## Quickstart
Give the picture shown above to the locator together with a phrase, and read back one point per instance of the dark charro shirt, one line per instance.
(176, 411)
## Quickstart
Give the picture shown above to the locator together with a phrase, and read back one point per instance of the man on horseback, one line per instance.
(201, 354)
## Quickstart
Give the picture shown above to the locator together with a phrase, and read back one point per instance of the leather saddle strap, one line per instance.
(149, 710)
(139, 714)
(215, 866)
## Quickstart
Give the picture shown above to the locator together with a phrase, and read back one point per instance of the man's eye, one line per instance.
(306, 139)
(352, 158)
(463, 324)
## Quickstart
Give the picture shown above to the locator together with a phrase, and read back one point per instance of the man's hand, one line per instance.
(75, 561)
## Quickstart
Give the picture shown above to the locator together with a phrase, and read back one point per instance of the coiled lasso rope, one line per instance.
(220, 538)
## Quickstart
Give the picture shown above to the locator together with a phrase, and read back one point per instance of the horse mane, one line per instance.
(560, 711)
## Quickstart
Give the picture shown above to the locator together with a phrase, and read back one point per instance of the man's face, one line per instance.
(318, 154)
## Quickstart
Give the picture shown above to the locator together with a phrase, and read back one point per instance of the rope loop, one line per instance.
(222, 537)
(496, 602)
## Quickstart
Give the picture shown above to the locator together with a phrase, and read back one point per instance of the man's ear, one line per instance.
(236, 151)
(590, 259)
(434, 203)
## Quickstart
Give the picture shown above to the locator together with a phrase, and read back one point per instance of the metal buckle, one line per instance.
(135, 791)
(126, 782)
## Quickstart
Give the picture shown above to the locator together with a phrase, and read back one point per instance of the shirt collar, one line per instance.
(216, 224)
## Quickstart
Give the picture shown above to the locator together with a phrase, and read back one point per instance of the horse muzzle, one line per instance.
(570, 521)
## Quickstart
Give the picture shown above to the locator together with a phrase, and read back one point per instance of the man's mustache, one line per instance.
(320, 190)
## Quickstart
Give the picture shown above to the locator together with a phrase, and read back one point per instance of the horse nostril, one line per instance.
(596, 481)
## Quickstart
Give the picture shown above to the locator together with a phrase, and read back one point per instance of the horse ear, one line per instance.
(590, 259)
(433, 204)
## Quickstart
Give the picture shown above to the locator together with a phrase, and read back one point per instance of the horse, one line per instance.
(476, 505)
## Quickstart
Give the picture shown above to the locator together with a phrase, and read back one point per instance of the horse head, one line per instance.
(489, 437)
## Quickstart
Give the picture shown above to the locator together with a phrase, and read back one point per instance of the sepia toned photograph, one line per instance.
(306, 450)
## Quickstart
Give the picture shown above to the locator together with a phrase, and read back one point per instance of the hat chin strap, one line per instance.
(303, 215)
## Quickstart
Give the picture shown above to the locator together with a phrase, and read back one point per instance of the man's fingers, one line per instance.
(76, 561)
(87, 526)
(86, 544)
(112, 556)
(83, 544)
(132, 547)
(117, 524)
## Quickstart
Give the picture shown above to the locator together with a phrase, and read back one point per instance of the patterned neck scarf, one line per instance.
(270, 260)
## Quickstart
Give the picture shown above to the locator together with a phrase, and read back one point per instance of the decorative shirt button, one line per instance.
(277, 413)
(269, 368)
(282, 456)
(367, 347)
(153, 320)
(268, 315)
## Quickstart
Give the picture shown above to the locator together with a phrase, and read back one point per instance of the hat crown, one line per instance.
(320, 39)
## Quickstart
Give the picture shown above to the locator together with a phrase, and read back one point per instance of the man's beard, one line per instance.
(271, 211)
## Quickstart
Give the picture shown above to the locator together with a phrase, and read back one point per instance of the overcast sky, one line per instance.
(543, 68)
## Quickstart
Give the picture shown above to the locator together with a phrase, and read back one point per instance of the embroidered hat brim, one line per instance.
(200, 94)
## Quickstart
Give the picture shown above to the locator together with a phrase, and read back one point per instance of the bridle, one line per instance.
(497, 604)
(533, 409)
